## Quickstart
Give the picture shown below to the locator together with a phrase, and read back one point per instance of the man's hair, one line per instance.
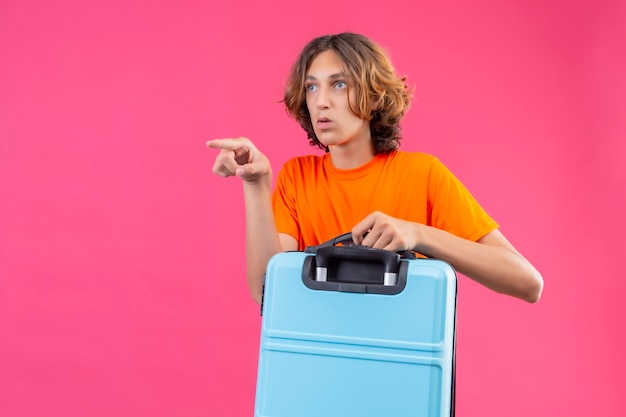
(382, 97)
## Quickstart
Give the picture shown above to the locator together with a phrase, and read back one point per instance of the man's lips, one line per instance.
(323, 122)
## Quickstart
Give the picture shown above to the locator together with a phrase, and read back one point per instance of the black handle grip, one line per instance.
(346, 240)
(354, 268)
(355, 265)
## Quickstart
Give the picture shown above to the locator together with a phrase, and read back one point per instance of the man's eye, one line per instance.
(341, 84)
(311, 87)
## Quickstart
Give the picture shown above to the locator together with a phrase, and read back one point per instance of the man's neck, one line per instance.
(351, 155)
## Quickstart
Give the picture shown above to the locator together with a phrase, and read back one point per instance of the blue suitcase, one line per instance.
(354, 331)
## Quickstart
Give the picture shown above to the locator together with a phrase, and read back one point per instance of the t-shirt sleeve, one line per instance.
(453, 208)
(284, 203)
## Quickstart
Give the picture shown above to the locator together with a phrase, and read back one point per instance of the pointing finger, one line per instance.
(230, 144)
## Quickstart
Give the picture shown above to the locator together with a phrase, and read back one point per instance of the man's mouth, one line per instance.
(323, 123)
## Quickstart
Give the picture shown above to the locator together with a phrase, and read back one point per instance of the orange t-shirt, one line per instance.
(314, 201)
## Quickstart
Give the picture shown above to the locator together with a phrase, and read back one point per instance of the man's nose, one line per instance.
(323, 98)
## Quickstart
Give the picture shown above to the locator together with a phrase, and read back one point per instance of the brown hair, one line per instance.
(382, 97)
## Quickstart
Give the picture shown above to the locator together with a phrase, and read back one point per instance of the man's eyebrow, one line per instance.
(332, 76)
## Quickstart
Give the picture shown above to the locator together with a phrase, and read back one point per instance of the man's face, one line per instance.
(328, 99)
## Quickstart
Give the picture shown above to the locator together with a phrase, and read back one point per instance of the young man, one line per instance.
(344, 92)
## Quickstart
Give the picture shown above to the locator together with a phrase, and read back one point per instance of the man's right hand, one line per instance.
(239, 157)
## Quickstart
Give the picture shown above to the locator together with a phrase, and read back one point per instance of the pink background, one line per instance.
(122, 286)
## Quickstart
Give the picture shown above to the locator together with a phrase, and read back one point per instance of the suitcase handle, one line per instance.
(354, 268)
(346, 240)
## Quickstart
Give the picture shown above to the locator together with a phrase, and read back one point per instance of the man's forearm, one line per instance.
(492, 262)
(262, 240)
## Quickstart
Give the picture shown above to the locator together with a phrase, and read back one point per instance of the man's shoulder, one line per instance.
(305, 159)
(299, 162)
(413, 158)
(302, 166)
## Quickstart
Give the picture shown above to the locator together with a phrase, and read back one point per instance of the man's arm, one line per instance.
(491, 261)
(262, 239)
(239, 157)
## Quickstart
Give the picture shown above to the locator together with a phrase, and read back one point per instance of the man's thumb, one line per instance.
(241, 171)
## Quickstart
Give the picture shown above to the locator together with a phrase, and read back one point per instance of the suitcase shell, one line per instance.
(342, 354)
